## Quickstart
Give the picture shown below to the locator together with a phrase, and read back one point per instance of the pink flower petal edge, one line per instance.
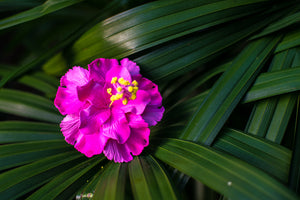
(108, 109)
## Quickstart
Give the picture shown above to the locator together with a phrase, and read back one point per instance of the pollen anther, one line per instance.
(135, 83)
(114, 80)
(109, 91)
(119, 89)
(125, 101)
(130, 89)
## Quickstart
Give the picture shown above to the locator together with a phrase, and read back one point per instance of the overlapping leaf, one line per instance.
(221, 172)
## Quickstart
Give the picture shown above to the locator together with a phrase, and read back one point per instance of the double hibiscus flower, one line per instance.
(108, 108)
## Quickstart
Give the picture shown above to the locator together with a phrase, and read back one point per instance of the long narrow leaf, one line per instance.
(64, 180)
(227, 92)
(111, 184)
(281, 117)
(28, 105)
(262, 113)
(155, 23)
(34, 13)
(17, 182)
(112, 7)
(18, 131)
(291, 40)
(294, 176)
(13, 155)
(274, 83)
(148, 180)
(272, 158)
(280, 24)
(221, 172)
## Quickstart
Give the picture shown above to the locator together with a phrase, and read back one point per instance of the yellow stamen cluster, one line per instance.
(123, 86)
(133, 91)
(123, 82)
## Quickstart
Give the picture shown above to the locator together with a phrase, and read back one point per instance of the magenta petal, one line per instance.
(116, 127)
(99, 67)
(139, 138)
(152, 90)
(132, 67)
(94, 94)
(92, 119)
(117, 152)
(152, 114)
(118, 71)
(90, 145)
(138, 105)
(66, 101)
(77, 76)
(136, 121)
(70, 128)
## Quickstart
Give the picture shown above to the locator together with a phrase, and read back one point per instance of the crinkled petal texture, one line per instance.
(108, 108)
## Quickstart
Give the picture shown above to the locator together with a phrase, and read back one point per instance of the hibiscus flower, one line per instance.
(108, 108)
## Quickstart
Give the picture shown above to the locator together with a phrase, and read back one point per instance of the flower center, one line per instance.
(125, 90)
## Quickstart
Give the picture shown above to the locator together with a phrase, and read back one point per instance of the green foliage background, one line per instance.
(229, 72)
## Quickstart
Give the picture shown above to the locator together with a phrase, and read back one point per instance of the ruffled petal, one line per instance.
(92, 119)
(136, 106)
(119, 72)
(91, 144)
(99, 67)
(77, 76)
(116, 127)
(153, 114)
(152, 90)
(139, 135)
(70, 128)
(132, 67)
(117, 152)
(138, 140)
(93, 92)
(136, 121)
(66, 101)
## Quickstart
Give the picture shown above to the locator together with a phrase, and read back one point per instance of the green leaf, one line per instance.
(263, 111)
(149, 180)
(155, 23)
(28, 105)
(291, 40)
(291, 18)
(294, 177)
(185, 88)
(228, 91)
(13, 155)
(107, 10)
(270, 157)
(6, 5)
(223, 173)
(34, 13)
(18, 131)
(56, 65)
(281, 117)
(38, 84)
(19, 181)
(274, 83)
(75, 175)
(111, 183)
